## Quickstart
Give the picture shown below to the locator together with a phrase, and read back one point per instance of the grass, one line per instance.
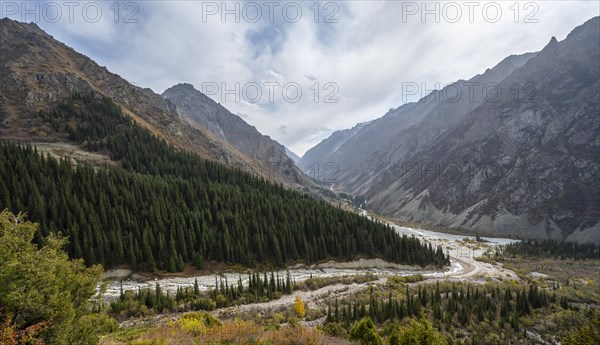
(557, 268)
(486, 259)
(123, 336)
(202, 328)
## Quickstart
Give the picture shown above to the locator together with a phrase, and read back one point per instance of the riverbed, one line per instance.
(462, 265)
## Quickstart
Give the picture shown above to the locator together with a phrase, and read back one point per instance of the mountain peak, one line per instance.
(197, 108)
(186, 86)
(27, 26)
(382, 160)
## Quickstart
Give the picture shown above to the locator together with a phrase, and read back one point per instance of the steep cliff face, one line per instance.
(268, 154)
(363, 154)
(521, 163)
(37, 71)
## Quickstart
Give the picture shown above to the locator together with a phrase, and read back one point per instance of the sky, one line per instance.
(300, 70)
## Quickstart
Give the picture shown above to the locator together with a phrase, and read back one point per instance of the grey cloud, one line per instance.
(367, 55)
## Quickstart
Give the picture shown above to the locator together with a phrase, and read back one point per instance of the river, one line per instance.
(461, 257)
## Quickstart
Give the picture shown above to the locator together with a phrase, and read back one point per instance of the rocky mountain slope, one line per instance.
(362, 152)
(524, 163)
(198, 109)
(328, 150)
(37, 71)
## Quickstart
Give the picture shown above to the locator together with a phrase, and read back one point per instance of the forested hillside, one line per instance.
(165, 207)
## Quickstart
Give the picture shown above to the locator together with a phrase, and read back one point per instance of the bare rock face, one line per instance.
(364, 153)
(269, 155)
(521, 163)
(37, 71)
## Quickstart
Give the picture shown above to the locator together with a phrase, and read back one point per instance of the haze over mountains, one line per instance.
(520, 163)
(519, 158)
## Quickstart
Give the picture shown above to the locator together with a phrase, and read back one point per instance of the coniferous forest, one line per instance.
(551, 249)
(163, 207)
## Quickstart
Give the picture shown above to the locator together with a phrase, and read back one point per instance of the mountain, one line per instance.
(362, 152)
(37, 71)
(327, 150)
(515, 164)
(198, 109)
(292, 155)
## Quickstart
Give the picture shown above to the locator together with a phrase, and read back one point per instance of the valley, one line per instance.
(159, 215)
(321, 284)
(463, 267)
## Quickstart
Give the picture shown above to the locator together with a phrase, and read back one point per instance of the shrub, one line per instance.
(365, 332)
(418, 333)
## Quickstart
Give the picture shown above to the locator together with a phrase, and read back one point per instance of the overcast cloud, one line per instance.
(356, 54)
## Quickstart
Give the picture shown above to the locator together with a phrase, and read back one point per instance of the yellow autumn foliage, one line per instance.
(299, 307)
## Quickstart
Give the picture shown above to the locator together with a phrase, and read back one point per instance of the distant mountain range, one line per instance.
(515, 152)
(292, 155)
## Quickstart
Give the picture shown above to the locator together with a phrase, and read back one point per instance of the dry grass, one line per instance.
(195, 329)
(561, 270)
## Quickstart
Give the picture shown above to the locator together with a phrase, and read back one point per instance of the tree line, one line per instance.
(552, 249)
(446, 305)
(146, 301)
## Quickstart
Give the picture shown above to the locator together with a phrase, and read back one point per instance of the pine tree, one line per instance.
(196, 287)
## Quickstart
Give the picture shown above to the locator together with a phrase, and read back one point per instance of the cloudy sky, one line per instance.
(299, 70)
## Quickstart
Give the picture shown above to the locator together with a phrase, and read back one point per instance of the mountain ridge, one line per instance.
(38, 71)
(197, 108)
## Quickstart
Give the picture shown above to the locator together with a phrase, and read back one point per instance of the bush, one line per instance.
(207, 319)
(418, 333)
(365, 332)
(407, 279)
(588, 334)
(299, 307)
(41, 286)
(335, 329)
